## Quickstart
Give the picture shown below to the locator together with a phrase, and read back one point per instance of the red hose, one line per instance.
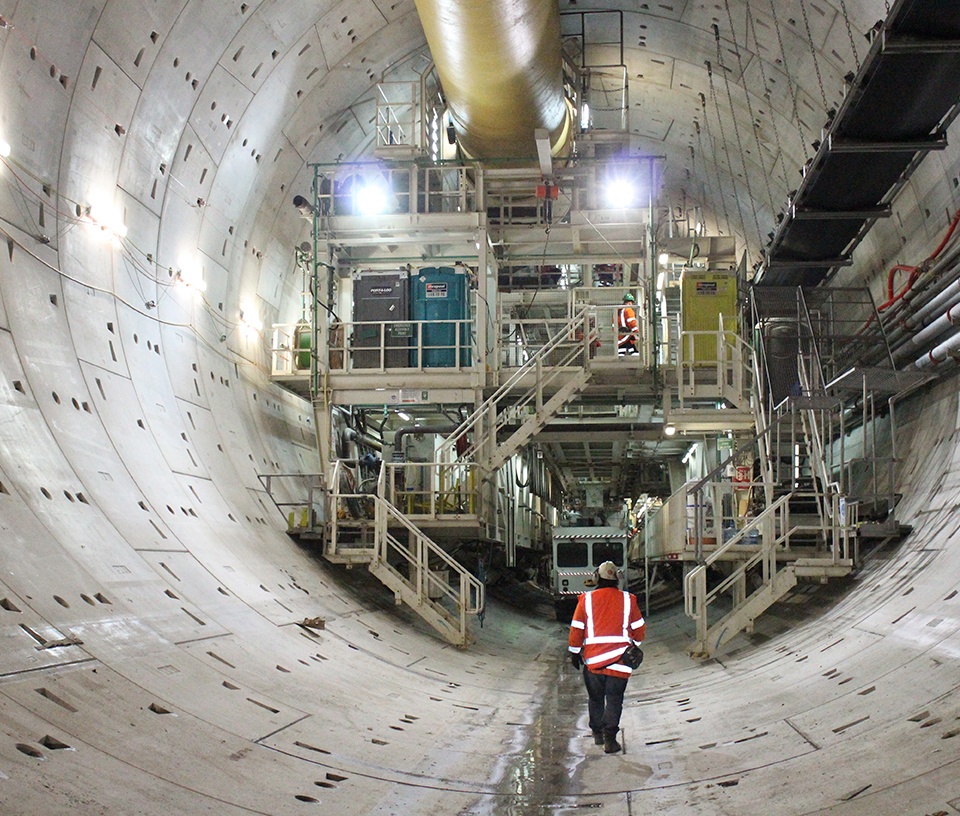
(915, 270)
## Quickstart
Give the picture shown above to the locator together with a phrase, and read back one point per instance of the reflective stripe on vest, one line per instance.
(593, 638)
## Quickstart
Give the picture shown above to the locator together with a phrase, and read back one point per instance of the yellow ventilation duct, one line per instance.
(500, 65)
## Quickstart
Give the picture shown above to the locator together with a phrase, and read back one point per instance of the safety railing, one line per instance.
(398, 114)
(715, 364)
(424, 575)
(351, 500)
(401, 344)
(774, 530)
(300, 498)
(549, 367)
(290, 349)
(405, 188)
(521, 338)
(432, 490)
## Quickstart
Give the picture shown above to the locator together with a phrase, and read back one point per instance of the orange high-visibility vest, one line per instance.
(626, 323)
(604, 624)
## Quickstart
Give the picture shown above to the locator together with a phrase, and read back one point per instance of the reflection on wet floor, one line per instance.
(542, 771)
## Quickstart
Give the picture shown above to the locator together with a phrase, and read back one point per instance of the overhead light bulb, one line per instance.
(664, 259)
(670, 429)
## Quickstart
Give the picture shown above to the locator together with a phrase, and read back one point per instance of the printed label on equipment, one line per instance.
(378, 291)
(706, 287)
(436, 290)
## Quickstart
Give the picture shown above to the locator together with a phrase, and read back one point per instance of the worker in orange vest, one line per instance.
(604, 624)
(627, 330)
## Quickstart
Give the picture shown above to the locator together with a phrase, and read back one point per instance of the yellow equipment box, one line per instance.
(704, 297)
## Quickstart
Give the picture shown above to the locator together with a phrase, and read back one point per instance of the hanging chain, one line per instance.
(794, 89)
(736, 132)
(751, 21)
(726, 150)
(704, 154)
(754, 123)
(813, 51)
(853, 45)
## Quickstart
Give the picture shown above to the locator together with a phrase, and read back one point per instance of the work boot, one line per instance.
(598, 737)
(610, 744)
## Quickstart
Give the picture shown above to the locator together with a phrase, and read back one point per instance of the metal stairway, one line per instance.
(362, 530)
(808, 527)
(559, 370)
(820, 353)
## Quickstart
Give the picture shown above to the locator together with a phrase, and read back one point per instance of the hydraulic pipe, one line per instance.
(949, 318)
(945, 350)
(500, 65)
(903, 314)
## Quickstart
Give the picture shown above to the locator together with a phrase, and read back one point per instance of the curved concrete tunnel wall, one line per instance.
(149, 600)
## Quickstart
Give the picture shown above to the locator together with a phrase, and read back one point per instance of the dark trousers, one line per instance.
(605, 695)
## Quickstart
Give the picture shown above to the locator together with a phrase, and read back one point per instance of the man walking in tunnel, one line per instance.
(604, 624)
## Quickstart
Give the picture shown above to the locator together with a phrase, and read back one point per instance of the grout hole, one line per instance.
(53, 743)
(156, 708)
(29, 750)
(53, 698)
(60, 601)
(10, 606)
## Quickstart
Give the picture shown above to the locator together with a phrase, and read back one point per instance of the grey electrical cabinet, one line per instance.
(381, 319)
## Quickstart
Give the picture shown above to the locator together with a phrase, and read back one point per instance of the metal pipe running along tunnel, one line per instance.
(499, 62)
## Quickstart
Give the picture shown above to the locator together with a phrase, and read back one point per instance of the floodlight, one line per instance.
(620, 193)
(371, 198)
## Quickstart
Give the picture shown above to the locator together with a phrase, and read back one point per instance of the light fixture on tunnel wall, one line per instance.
(403, 415)
(4, 148)
(190, 278)
(664, 259)
(111, 226)
(249, 322)
(669, 429)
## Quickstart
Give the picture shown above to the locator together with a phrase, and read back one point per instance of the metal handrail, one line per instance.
(696, 599)
(578, 328)
(467, 596)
